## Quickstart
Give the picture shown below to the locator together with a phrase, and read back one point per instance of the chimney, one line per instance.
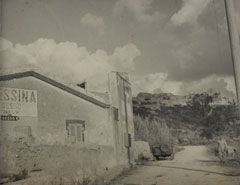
(82, 85)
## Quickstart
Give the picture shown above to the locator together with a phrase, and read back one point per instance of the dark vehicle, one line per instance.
(163, 151)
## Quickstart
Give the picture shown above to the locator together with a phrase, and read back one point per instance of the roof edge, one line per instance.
(54, 83)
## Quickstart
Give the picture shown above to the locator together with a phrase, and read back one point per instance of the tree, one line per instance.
(201, 102)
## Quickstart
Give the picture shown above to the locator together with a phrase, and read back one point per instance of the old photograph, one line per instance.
(119, 92)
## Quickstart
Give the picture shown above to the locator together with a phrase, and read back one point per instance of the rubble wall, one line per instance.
(57, 160)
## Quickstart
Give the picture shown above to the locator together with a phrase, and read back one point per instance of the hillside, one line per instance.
(168, 99)
(192, 118)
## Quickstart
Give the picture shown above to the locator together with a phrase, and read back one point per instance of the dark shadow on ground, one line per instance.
(228, 163)
(208, 161)
(198, 170)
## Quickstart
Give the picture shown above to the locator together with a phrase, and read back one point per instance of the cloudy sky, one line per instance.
(177, 46)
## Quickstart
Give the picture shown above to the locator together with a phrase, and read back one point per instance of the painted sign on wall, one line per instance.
(18, 102)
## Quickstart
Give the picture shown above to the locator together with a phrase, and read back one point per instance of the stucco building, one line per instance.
(60, 128)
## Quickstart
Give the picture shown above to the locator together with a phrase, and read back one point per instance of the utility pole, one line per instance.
(234, 45)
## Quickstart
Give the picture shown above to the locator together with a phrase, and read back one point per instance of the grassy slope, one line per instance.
(188, 123)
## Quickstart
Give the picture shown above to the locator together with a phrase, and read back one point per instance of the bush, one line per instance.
(153, 131)
(208, 133)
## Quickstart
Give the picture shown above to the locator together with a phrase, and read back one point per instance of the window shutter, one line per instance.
(72, 130)
(79, 133)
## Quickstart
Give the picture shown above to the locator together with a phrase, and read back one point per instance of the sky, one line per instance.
(175, 46)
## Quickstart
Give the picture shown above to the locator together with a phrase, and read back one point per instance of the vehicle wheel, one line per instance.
(157, 158)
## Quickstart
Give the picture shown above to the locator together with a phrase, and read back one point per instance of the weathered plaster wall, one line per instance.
(42, 141)
(118, 86)
(55, 106)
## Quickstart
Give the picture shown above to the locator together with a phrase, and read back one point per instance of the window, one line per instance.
(75, 130)
(115, 114)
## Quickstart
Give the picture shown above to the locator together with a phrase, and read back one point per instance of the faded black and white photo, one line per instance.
(119, 92)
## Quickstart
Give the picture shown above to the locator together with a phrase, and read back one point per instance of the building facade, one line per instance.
(50, 125)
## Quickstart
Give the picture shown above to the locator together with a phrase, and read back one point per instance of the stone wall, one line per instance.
(56, 160)
(142, 148)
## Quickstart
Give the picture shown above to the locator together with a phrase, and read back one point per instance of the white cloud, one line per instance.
(189, 12)
(94, 22)
(155, 82)
(230, 84)
(159, 82)
(139, 8)
(5, 44)
(224, 85)
(76, 64)
(70, 61)
(124, 57)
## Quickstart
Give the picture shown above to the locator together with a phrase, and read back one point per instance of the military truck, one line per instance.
(163, 151)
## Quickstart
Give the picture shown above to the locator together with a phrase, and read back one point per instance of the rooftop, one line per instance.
(22, 72)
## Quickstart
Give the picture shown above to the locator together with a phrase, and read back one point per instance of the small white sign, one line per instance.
(18, 102)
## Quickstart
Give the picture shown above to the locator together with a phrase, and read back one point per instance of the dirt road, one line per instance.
(192, 166)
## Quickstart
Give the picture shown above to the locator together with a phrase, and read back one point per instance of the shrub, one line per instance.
(154, 131)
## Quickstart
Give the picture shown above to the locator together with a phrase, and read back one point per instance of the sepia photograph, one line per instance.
(119, 92)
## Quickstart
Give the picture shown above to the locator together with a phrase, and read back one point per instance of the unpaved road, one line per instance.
(192, 166)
